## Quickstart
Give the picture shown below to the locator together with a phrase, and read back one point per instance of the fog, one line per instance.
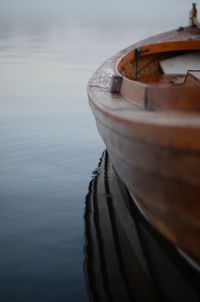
(15, 14)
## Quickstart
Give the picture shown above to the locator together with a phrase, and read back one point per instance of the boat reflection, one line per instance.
(125, 258)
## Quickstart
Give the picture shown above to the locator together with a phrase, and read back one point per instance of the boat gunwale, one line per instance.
(148, 95)
(114, 109)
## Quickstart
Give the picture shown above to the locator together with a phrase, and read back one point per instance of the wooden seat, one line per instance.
(192, 78)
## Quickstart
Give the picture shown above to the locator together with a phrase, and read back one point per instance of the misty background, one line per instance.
(104, 13)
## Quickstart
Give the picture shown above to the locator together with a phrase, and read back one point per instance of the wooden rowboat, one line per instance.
(146, 102)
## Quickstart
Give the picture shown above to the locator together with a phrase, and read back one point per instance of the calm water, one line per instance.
(48, 141)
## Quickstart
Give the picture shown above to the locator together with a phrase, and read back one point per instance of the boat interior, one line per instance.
(165, 63)
(170, 69)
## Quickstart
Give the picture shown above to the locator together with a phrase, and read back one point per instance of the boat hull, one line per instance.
(157, 155)
(171, 202)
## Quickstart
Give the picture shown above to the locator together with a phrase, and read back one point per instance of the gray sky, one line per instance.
(94, 12)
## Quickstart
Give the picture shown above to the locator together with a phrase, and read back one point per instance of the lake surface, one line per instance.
(49, 145)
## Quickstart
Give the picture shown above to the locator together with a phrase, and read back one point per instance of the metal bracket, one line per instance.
(115, 84)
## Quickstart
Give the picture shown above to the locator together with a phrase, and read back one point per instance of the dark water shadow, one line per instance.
(125, 258)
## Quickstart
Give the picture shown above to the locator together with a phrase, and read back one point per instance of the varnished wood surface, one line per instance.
(192, 78)
(155, 151)
(176, 98)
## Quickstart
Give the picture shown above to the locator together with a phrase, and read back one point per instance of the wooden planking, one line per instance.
(131, 67)
(165, 163)
(173, 204)
(149, 69)
(173, 208)
(126, 59)
(134, 91)
(128, 70)
(174, 97)
(170, 46)
(175, 130)
(192, 78)
(163, 79)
